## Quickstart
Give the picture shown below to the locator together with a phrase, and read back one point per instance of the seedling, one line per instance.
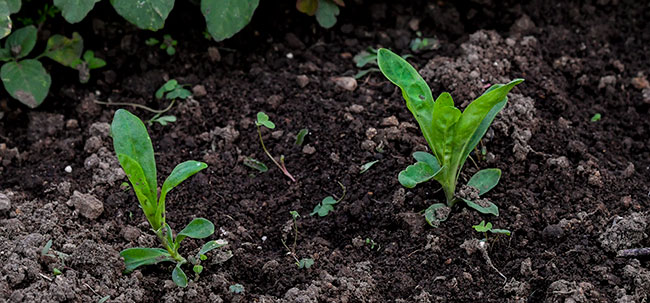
(372, 244)
(421, 43)
(487, 227)
(596, 117)
(263, 120)
(451, 135)
(255, 164)
(364, 168)
(88, 63)
(301, 263)
(324, 207)
(171, 90)
(325, 10)
(136, 156)
(168, 44)
(236, 288)
(300, 138)
(365, 58)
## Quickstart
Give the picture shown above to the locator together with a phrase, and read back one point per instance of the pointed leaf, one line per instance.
(225, 18)
(136, 176)
(145, 14)
(199, 228)
(75, 10)
(179, 277)
(64, 50)
(22, 41)
(26, 81)
(130, 138)
(416, 173)
(364, 168)
(255, 164)
(138, 256)
(436, 213)
(180, 173)
(210, 245)
(489, 209)
(326, 13)
(484, 180)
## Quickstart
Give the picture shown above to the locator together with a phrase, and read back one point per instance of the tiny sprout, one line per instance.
(263, 120)
(300, 138)
(327, 205)
(305, 263)
(364, 168)
(168, 44)
(596, 117)
(487, 227)
(197, 269)
(372, 244)
(236, 288)
(255, 164)
(294, 214)
(56, 271)
(421, 43)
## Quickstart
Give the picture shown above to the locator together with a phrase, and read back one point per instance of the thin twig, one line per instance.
(157, 111)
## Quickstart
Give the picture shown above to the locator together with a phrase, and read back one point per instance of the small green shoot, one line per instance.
(255, 164)
(162, 120)
(168, 44)
(236, 288)
(324, 207)
(487, 227)
(263, 120)
(364, 168)
(56, 271)
(451, 135)
(136, 156)
(305, 263)
(86, 63)
(372, 244)
(301, 263)
(300, 138)
(596, 117)
(171, 90)
(420, 43)
(104, 299)
(365, 58)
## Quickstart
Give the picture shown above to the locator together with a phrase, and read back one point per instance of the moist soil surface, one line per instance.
(573, 191)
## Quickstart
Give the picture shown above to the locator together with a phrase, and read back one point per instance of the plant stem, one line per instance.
(169, 247)
(149, 109)
(280, 166)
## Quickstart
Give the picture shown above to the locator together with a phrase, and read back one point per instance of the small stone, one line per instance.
(277, 134)
(368, 145)
(289, 55)
(646, 95)
(100, 129)
(87, 205)
(308, 149)
(5, 203)
(626, 201)
(199, 90)
(414, 24)
(293, 41)
(629, 170)
(347, 83)
(553, 232)
(356, 108)
(335, 157)
(640, 82)
(561, 161)
(390, 121)
(68, 169)
(371, 132)
(213, 54)
(130, 233)
(71, 124)
(595, 179)
(93, 144)
(606, 81)
(302, 80)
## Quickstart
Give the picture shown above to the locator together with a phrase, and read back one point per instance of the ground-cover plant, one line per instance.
(451, 135)
(303, 262)
(325, 10)
(487, 227)
(324, 207)
(263, 120)
(135, 154)
(423, 43)
(168, 44)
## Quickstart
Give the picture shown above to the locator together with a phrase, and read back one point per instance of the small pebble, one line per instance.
(347, 83)
(356, 108)
(308, 149)
(302, 80)
(68, 169)
(289, 55)
(390, 121)
(5, 203)
(199, 90)
(553, 232)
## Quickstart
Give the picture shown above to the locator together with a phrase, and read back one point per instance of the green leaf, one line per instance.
(367, 166)
(180, 173)
(198, 269)
(255, 164)
(145, 14)
(75, 10)
(365, 57)
(364, 72)
(427, 158)
(131, 139)
(484, 180)
(490, 209)
(151, 41)
(199, 228)
(136, 176)
(14, 5)
(596, 117)
(138, 256)
(22, 41)
(300, 138)
(436, 213)
(225, 18)
(104, 299)
(210, 245)
(442, 132)
(326, 13)
(26, 81)
(178, 92)
(5, 20)
(263, 119)
(305, 263)
(163, 120)
(179, 277)
(64, 50)
(500, 231)
(482, 227)
(308, 7)
(236, 288)
(417, 173)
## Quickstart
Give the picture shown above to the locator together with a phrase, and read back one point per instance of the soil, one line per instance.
(572, 192)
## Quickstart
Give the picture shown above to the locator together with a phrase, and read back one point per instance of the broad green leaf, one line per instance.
(145, 14)
(255, 164)
(178, 92)
(416, 173)
(26, 81)
(138, 256)
(225, 18)
(484, 180)
(22, 41)
(427, 158)
(326, 13)
(210, 245)
(305, 263)
(167, 87)
(308, 7)
(75, 10)
(14, 5)
(443, 132)
(65, 50)
(322, 210)
(367, 166)
(179, 277)
(263, 119)
(436, 213)
(329, 200)
(415, 90)
(180, 173)
(482, 227)
(483, 127)
(5, 20)
(198, 269)
(130, 138)
(138, 181)
(300, 138)
(199, 228)
(93, 62)
(490, 209)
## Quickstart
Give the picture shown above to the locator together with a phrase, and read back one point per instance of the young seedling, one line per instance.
(364, 168)
(263, 120)
(324, 207)
(168, 44)
(236, 288)
(301, 263)
(596, 117)
(300, 137)
(487, 227)
(47, 251)
(255, 164)
(372, 244)
(368, 57)
(171, 90)
(136, 156)
(87, 63)
(421, 43)
(451, 135)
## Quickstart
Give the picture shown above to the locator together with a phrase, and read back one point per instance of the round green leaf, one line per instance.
(225, 18)
(26, 81)
(263, 119)
(75, 10)
(145, 14)
(210, 245)
(484, 180)
(179, 277)
(416, 173)
(5, 20)
(14, 5)
(65, 50)
(326, 13)
(22, 41)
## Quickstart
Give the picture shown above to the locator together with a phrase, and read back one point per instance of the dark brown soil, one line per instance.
(573, 191)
